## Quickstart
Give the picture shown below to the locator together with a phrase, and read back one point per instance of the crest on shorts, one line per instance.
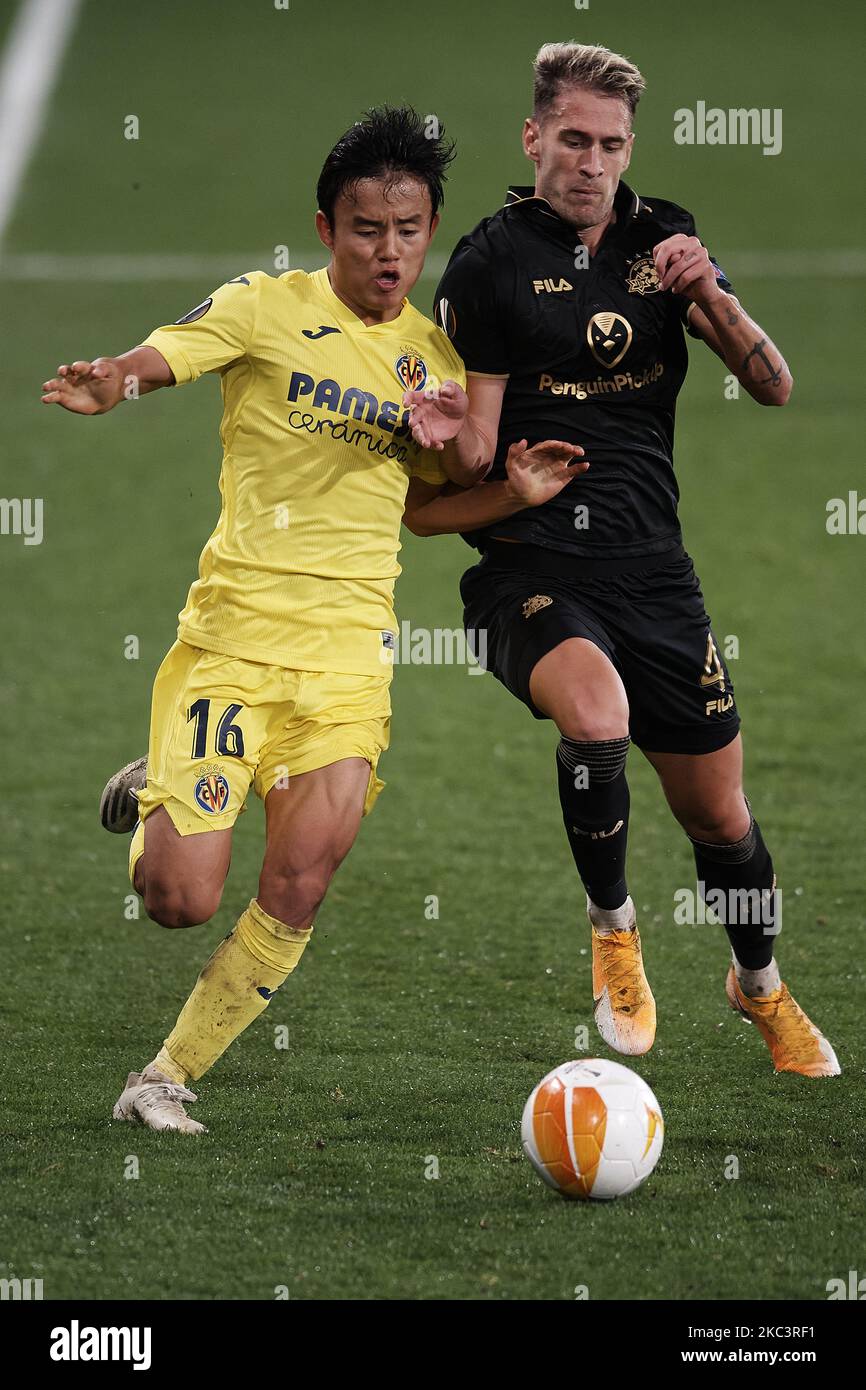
(532, 605)
(714, 671)
(212, 793)
(643, 278)
(411, 371)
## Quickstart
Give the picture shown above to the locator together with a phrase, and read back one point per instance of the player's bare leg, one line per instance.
(705, 793)
(578, 687)
(311, 826)
(181, 877)
(187, 872)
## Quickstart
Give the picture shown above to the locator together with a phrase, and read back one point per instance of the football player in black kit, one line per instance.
(569, 307)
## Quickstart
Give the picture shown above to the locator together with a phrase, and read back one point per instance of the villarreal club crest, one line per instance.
(411, 370)
(211, 791)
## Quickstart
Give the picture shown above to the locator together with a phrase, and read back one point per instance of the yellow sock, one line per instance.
(233, 988)
(136, 850)
(169, 1067)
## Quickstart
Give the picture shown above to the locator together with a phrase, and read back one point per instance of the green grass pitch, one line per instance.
(407, 1037)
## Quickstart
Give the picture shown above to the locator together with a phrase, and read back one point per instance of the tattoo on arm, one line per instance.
(732, 317)
(757, 350)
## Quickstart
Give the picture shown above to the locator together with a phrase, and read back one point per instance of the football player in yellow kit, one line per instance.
(280, 675)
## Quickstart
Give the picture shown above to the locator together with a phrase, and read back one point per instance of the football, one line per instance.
(593, 1130)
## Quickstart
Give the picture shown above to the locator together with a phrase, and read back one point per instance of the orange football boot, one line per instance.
(625, 1010)
(795, 1043)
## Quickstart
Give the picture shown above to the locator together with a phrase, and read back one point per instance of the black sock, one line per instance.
(594, 796)
(737, 882)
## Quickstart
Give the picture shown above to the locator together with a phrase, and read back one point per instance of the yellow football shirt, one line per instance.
(317, 457)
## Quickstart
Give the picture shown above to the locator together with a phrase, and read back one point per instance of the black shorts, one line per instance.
(521, 601)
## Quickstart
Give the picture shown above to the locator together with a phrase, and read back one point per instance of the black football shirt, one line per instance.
(595, 354)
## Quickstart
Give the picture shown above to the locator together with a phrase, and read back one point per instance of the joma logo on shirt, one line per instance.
(551, 287)
(355, 402)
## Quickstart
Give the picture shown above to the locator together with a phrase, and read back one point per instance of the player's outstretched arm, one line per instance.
(534, 476)
(461, 427)
(684, 266)
(94, 388)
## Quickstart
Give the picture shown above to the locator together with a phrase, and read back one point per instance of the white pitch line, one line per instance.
(28, 70)
(783, 265)
(107, 267)
(30, 63)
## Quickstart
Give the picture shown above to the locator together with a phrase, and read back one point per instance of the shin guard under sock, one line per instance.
(593, 792)
(737, 882)
(233, 988)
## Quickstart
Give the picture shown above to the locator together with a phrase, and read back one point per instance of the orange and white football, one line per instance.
(593, 1129)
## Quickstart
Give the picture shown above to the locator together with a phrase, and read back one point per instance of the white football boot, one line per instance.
(157, 1102)
(118, 805)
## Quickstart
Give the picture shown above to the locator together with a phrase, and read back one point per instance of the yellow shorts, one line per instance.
(219, 724)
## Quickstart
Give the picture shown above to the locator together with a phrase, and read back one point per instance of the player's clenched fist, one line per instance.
(87, 388)
(539, 473)
(437, 415)
(683, 266)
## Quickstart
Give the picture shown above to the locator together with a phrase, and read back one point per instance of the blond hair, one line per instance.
(586, 65)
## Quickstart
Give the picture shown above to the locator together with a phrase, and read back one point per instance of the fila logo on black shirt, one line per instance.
(551, 286)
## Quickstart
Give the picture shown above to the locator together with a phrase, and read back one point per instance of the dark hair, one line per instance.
(388, 143)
